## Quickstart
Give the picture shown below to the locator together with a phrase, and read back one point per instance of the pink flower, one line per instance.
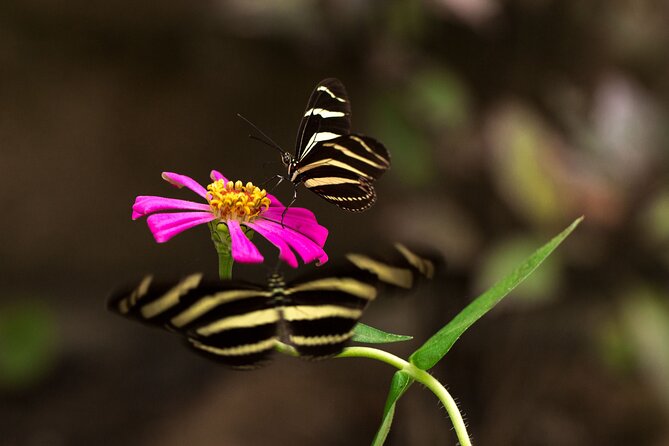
(236, 205)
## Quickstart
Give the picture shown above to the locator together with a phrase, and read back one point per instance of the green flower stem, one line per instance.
(422, 377)
(225, 263)
(221, 238)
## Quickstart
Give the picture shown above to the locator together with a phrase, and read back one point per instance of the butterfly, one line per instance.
(337, 165)
(239, 323)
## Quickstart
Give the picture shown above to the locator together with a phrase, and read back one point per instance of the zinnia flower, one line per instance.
(236, 205)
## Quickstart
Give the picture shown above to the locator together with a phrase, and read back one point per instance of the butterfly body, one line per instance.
(329, 160)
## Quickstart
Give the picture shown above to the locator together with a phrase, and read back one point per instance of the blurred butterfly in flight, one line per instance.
(240, 323)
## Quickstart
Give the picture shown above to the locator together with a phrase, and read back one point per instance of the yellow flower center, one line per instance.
(237, 201)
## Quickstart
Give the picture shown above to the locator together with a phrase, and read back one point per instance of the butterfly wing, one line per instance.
(404, 270)
(327, 116)
(239, 324)
(320, 314)
(235, 323)
(342, 170)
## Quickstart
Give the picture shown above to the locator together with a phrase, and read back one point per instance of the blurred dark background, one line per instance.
(506, 119)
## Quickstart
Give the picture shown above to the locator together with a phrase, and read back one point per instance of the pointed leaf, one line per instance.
(400, 383)
(438, 345)
(370, 335)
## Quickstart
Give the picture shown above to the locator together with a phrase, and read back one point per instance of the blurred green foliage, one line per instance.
(434, 103)
(525, 165)
(644, 313)
(655, 219)
(633, 338)
(411, 153)
(441, 100)
(28, 339)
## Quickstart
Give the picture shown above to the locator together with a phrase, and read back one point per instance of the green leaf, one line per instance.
(438, 345)
(400, 383)
(370, 335)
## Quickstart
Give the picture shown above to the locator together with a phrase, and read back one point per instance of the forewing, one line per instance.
(234, 323)
(327, 116)
(320, 314)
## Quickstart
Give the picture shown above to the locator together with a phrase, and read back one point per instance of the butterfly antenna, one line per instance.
(265, 139)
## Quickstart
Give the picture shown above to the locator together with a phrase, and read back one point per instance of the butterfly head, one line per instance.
(290, 162)
(286, 159)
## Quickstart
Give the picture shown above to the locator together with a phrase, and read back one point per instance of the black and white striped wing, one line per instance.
(239, 324)
(343, 170)
(320, 314)
(333, 163)
(233, 323)
(327, 116)
(404, 271)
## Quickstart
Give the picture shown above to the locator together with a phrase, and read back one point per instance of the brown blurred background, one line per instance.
(506, 119)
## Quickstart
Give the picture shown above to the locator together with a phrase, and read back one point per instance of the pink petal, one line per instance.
(180, 181)
(215, 175)
(301, 220)
(302, 213)
(285, 253)
(274, 202)
(243, 251)
(284, 237)
(165, 226)
(148, 204)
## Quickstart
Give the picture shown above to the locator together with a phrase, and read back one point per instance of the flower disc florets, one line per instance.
(234, 200)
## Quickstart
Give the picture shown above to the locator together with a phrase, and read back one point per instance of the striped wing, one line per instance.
(239, 324)
(402, 272)
(320, 314)
(343, 169)
(233, 323)
(327, 116)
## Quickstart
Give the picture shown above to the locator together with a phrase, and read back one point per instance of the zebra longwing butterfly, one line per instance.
(329, 160)
(239, 323)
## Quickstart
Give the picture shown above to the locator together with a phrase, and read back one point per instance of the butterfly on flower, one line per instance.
(337, 165)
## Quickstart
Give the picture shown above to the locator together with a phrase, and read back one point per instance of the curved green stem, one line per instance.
(422, 377)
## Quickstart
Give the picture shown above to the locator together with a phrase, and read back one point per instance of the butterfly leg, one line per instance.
(289, 204)
(280, 177)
